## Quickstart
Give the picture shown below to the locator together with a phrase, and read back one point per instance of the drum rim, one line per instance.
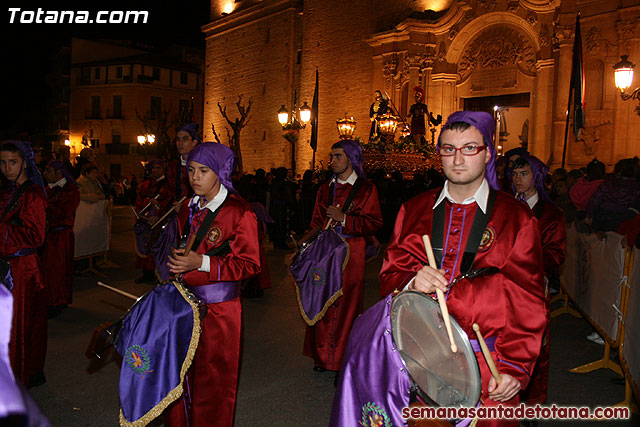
(477, 390)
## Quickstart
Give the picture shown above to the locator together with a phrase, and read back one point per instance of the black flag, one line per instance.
(314, 117)
(577, 82)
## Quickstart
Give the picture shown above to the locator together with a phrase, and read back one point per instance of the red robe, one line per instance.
(326, 341)
(24, 228)
(213, 377)
(178, 179)
(57, 252)
(509, 305)
(146, 192)
(553, 234)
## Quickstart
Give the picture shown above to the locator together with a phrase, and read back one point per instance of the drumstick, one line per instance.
(487, 355)
(441, 300)
(189, 244)
(326, 227)
(118, 291)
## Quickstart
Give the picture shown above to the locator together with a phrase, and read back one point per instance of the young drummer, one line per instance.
(228, 252)
(23, 210)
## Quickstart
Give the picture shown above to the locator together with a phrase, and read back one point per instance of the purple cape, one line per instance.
(157, 341)
(373, 380)
(485, 124)
(33, 173)
(539, 171)
(192, 130)
(318, 274)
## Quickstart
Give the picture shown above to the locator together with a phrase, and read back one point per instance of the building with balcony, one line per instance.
(120, 90)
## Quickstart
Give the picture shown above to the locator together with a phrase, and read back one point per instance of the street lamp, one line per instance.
(346, 126)
(144, 141)
(291, 125)
(623, 73)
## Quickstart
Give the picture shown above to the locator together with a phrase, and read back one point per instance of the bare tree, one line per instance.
(236, 126)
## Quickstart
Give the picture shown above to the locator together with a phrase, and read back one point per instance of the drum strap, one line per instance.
(206, 224)
(480, 222)
(350, 196)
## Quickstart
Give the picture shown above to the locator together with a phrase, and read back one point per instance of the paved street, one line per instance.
(277, 386)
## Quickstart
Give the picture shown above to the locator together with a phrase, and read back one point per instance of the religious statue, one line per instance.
(419, 114)
(379, 107)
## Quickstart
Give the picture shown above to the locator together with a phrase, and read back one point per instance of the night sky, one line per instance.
(27, 47)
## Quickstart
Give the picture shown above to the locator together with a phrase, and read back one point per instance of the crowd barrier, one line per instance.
(601, 278)
(92, 229)
(630, 345)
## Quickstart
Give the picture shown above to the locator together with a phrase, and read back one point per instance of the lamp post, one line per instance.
(291, 125)
(346, 126)
(623, 73)
(144, 141)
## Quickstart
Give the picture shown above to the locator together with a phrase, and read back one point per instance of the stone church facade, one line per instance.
(472, 54)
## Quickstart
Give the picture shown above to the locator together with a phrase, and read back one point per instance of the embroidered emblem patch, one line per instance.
(215, 235)
(374, 416)
(488, 239)
(318, 276)
(137, 359)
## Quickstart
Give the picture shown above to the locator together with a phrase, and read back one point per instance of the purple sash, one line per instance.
(318, 274)
(162, 247)
(60, 228)
(217, 292)
(11, 402)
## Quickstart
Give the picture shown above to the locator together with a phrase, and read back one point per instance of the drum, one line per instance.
(158, 340)
(317, 270)
(443, 378)
(399, 348)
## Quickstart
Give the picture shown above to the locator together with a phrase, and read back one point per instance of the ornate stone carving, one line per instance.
(453, 32)
(532, 18)
(498, 46)
(414, 60)
(627, 30)
(593, 40)
(442, 52)
(488, 4)
(590, 135)
(513, 6)
(389, 71)
(545, 36)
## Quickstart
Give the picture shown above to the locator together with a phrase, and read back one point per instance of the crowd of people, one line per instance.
(499, 211)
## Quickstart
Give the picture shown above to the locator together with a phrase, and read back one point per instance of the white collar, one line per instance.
(60, 183)
(212, 205)
(531, 201)
(481, 196)
(183, 162)
(351, 180)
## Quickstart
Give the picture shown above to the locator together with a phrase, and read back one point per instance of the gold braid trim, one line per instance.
(139, 254)
(330, 301)
(174, 394)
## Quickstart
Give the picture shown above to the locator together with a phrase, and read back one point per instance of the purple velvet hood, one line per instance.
(353, 150)
(33, 173)
(218, 157)
(539, 171)
(191, 129)
(58, 165)
(485, 124)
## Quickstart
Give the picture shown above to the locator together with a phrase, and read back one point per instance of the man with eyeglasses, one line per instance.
(472, 225)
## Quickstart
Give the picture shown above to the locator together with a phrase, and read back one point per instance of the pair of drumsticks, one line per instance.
(447, 321)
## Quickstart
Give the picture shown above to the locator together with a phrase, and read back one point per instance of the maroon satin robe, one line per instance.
(509, 305)
(326, 341)
(24, 228)
(553, 233)
(178, 179)
(213, 378)
(146, 192)
(56, 261)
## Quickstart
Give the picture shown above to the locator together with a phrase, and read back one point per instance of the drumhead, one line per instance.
(443, 378)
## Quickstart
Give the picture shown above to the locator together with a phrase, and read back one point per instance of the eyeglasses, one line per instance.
(467, 150)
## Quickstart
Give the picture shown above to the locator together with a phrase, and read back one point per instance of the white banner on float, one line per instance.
(631, 345)
(91, 228)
